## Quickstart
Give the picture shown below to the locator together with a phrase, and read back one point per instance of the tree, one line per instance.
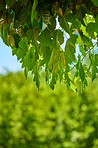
(29, 27)
(46, 119)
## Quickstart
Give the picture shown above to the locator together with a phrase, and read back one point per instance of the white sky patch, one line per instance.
(57, 25)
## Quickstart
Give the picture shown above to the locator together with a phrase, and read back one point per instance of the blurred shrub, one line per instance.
(46, 119)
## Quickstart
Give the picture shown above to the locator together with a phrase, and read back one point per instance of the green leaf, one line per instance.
(60, 36)
(81, 45)
(37, 78)
(46, 54)
(20, 53)
(34, 12)
(4, 35)
(95, 2)
(29, 34)
(53, 81)
(73, 19)
(81, 72)
(52, 24)
(96, 24)
(64, 25)
(23, 45)
(87, 41)
(47, 74)
(29, 59)
(90, 29)
(45, 37)
(81, 12)
(26, 72)
(70, 48)
(17, 39)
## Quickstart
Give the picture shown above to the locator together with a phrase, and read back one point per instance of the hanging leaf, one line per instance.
(47, 54)
(20, 53)
(70, 48)
(60, 36)
(53, 81)
(29, 34)
(26, 71)
(81, 72)
(73, 19)
(87, 41)
(90, 29)
(29, 59)
(64, 25)
(96, 24)
(45, 37)
(37, 78)
(34, 12)
(81, 45)
(23, 45)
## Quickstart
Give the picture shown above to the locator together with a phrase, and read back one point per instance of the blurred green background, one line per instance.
(46, 119)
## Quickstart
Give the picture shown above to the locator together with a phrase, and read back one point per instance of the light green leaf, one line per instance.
(81, 45)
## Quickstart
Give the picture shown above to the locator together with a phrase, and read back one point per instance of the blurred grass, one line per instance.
(46, 119)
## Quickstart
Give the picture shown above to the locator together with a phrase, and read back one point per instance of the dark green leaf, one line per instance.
(81, 72)
(90, 29)
(45, 37)
(60, 36)
(95, 2)
(64, 25)
(23, 45)
(96, 24)
(87, 41)
(37, 78)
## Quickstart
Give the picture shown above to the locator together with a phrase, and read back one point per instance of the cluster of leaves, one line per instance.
(30, 28)
(46, 118)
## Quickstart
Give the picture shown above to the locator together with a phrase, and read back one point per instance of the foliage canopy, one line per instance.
(30, 28)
